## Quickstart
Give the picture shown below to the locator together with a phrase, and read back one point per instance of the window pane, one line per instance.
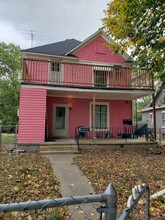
(163, 115)
(163, 118)
(100, 78)
(60, 118)
(55, 66)
(103, 108)
(103, 121)
(97, 120)
(97, 108)
(100, 116)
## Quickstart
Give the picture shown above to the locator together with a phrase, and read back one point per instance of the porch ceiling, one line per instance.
(100, 94)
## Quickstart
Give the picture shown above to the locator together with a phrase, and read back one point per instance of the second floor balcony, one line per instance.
(72, 74)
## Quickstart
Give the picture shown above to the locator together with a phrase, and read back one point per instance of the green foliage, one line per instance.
(138, 105)
(10, 72)
(139, 26)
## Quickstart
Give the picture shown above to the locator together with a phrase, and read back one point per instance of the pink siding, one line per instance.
(75, 116)
(32, 115)
(120, 110)
(79, 114)
(37, 71)
(78, 75)
(99, 52)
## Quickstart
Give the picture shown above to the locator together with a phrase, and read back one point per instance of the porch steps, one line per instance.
(59, 149)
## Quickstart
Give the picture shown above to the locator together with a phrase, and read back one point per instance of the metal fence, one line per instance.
(106, 211)
(124, 133)
(8, 137)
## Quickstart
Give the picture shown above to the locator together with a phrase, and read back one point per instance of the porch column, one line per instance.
(154, 115)
(93, 116)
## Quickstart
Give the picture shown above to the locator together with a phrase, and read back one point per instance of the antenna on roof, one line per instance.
(32, 35)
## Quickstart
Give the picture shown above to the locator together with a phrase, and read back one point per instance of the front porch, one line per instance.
(69, 145)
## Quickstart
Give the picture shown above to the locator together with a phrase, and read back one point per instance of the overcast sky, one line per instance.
(50, 20)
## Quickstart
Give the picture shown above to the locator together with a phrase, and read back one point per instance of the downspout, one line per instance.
(94, 115)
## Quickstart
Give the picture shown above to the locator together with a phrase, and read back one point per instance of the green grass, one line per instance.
(7, 138)
(7, 141)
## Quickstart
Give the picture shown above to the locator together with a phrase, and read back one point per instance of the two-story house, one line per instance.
(71, 83)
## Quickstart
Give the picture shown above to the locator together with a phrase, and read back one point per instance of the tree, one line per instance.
(10, 72)
(138, 105)
(138, 25)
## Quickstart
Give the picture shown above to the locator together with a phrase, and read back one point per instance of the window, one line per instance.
(55, 66)
(55, 72)
(100, 78)
(150, 118)
(163, 119)
(101, 116)
(117, 70)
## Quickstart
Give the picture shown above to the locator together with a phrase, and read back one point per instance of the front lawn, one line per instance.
(125, 169)
(27, 177)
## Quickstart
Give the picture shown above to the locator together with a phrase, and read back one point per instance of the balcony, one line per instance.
(67, 74)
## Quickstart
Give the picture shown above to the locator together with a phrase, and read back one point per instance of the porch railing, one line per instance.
(129, 132)
(85, 75)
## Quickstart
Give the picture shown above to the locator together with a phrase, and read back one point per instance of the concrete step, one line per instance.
(61, 147)
(60, 152)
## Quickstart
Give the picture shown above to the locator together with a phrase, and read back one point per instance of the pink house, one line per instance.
(70, 84)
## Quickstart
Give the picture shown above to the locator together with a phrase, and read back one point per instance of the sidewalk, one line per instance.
(73, 183)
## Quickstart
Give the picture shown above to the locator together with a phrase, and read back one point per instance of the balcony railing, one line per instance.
(85, 75)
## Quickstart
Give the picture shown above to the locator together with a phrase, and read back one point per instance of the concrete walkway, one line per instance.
(73, 183)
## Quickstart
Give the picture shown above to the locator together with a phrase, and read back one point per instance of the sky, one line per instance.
(49, 21)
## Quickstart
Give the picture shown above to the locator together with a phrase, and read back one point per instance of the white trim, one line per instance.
(150, 108)
(108, 112)
(66, 117)
(63, 59)
(32, 55)
(151, 120)
(145, 92)
(60, 72)
(163, 112)
(98, 68)
(100, 32)
(92, 63)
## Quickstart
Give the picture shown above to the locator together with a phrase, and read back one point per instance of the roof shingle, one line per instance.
(59, 48)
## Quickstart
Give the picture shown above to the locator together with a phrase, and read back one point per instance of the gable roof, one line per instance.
(107, 38)
(70, 46)
(60, 48)
(150, 105)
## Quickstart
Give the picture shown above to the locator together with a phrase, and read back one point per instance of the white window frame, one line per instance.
(163, 112)
(117, 71)
(151, 120)
(108, 113)
(100, 68)
(61, 72)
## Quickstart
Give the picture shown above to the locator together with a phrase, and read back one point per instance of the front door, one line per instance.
(60, 116)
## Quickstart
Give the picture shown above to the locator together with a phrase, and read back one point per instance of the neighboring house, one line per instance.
(147, 112)
(71, 83)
